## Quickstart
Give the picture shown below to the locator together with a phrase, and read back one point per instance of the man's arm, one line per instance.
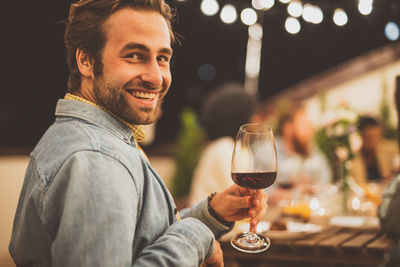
(96, 203)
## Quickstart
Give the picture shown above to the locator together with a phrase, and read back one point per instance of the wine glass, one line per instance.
(254, 166)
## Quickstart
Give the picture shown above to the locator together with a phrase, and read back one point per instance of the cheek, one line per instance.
(167, 77)
(117, 76)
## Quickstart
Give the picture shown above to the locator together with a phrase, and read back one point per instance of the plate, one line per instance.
(355, 221)
(294, 229)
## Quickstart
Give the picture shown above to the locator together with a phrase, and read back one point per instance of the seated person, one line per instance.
(224, 111)
(302, 167)
(388, 211)
(374, 161)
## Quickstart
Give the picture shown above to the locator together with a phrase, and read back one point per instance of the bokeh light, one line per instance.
(209, 7)
(228, 14)
(292, 25)
(340, 17)
(248, 16)
(295, 8)
(392, 31)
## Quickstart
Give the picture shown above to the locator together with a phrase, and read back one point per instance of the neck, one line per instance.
(86, 90)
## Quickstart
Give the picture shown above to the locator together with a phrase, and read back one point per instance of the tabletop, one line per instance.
(333, 246)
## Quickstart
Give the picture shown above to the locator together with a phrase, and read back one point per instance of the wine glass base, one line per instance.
(258, 243)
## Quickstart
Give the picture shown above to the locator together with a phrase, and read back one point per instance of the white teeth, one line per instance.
(143, 94)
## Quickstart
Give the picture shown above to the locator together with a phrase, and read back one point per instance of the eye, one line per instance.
(163, 59)
(133, 56)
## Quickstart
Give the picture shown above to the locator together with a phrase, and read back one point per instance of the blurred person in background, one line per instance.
(90, 196)
(302, 167)
(388, 211)
(224, 111)
(374, 162)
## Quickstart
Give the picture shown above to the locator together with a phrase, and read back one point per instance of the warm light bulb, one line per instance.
(365, 6)
(292, 25)
(228, 14)
(312, 14)
(267, 4)
(256, 32)
(340, 17)
(295, 8)
(209, 7)
(284, 1)
(248, 16)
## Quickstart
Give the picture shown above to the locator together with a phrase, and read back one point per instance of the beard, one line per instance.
(111, 97)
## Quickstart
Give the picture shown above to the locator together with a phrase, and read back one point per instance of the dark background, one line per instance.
(34, 71)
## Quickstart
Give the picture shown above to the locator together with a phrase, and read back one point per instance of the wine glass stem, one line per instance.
(251, 237)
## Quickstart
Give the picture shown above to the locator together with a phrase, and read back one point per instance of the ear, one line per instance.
(85, 64)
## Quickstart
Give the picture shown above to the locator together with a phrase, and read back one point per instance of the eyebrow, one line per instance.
(132, 46)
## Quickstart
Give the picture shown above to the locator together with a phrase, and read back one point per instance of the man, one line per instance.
(302, 166)
(374, 163)
(224, 111)
(90, 196)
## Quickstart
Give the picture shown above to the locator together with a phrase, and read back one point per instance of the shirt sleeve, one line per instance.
(200, 211)
(95, 201)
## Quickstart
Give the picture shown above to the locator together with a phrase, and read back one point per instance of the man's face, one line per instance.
(135, 58)
(371, 137)
(303, 132)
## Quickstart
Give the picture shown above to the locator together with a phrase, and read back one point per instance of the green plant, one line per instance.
(389, 131)
(191, 139)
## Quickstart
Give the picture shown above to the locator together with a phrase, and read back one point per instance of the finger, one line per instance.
(240, 202)
(253, 227)
(240, 215)
(258, 215)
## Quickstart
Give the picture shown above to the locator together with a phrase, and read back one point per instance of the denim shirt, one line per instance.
(91, 198)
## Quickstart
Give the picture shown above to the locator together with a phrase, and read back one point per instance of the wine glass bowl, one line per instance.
(254, 167)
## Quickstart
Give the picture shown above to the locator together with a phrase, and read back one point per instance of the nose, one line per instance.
(152, 74)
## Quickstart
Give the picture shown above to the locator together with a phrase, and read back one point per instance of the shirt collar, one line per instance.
(137, 130)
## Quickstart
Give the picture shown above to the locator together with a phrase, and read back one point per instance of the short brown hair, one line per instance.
(84, 29)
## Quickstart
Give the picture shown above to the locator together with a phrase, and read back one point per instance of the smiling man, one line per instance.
(90, 196)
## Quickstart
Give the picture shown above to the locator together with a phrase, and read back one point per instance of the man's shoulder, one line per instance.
(67, 137)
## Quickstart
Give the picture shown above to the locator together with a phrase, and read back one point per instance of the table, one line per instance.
(333, 246)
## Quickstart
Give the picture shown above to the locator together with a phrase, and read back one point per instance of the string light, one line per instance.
(262, 4)
(256, 32)
(295, 8)
(209, 7)
(312, 14)
(365, 6)
(292, 25)
(248, 16)
(340, 17)
(228, 14)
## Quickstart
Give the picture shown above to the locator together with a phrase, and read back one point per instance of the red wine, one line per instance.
(254, 180)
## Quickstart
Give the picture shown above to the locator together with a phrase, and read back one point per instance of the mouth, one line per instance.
(146, 98)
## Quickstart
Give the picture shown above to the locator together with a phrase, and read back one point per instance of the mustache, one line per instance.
(141, 85)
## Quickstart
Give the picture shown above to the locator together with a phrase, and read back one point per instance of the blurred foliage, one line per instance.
(191, 140)
(389, 130)
(338, 137)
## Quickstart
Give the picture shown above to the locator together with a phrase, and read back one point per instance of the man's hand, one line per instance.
(237, 203)
(216, 259)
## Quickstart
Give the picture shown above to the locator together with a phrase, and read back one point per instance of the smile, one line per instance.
(142, 95)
